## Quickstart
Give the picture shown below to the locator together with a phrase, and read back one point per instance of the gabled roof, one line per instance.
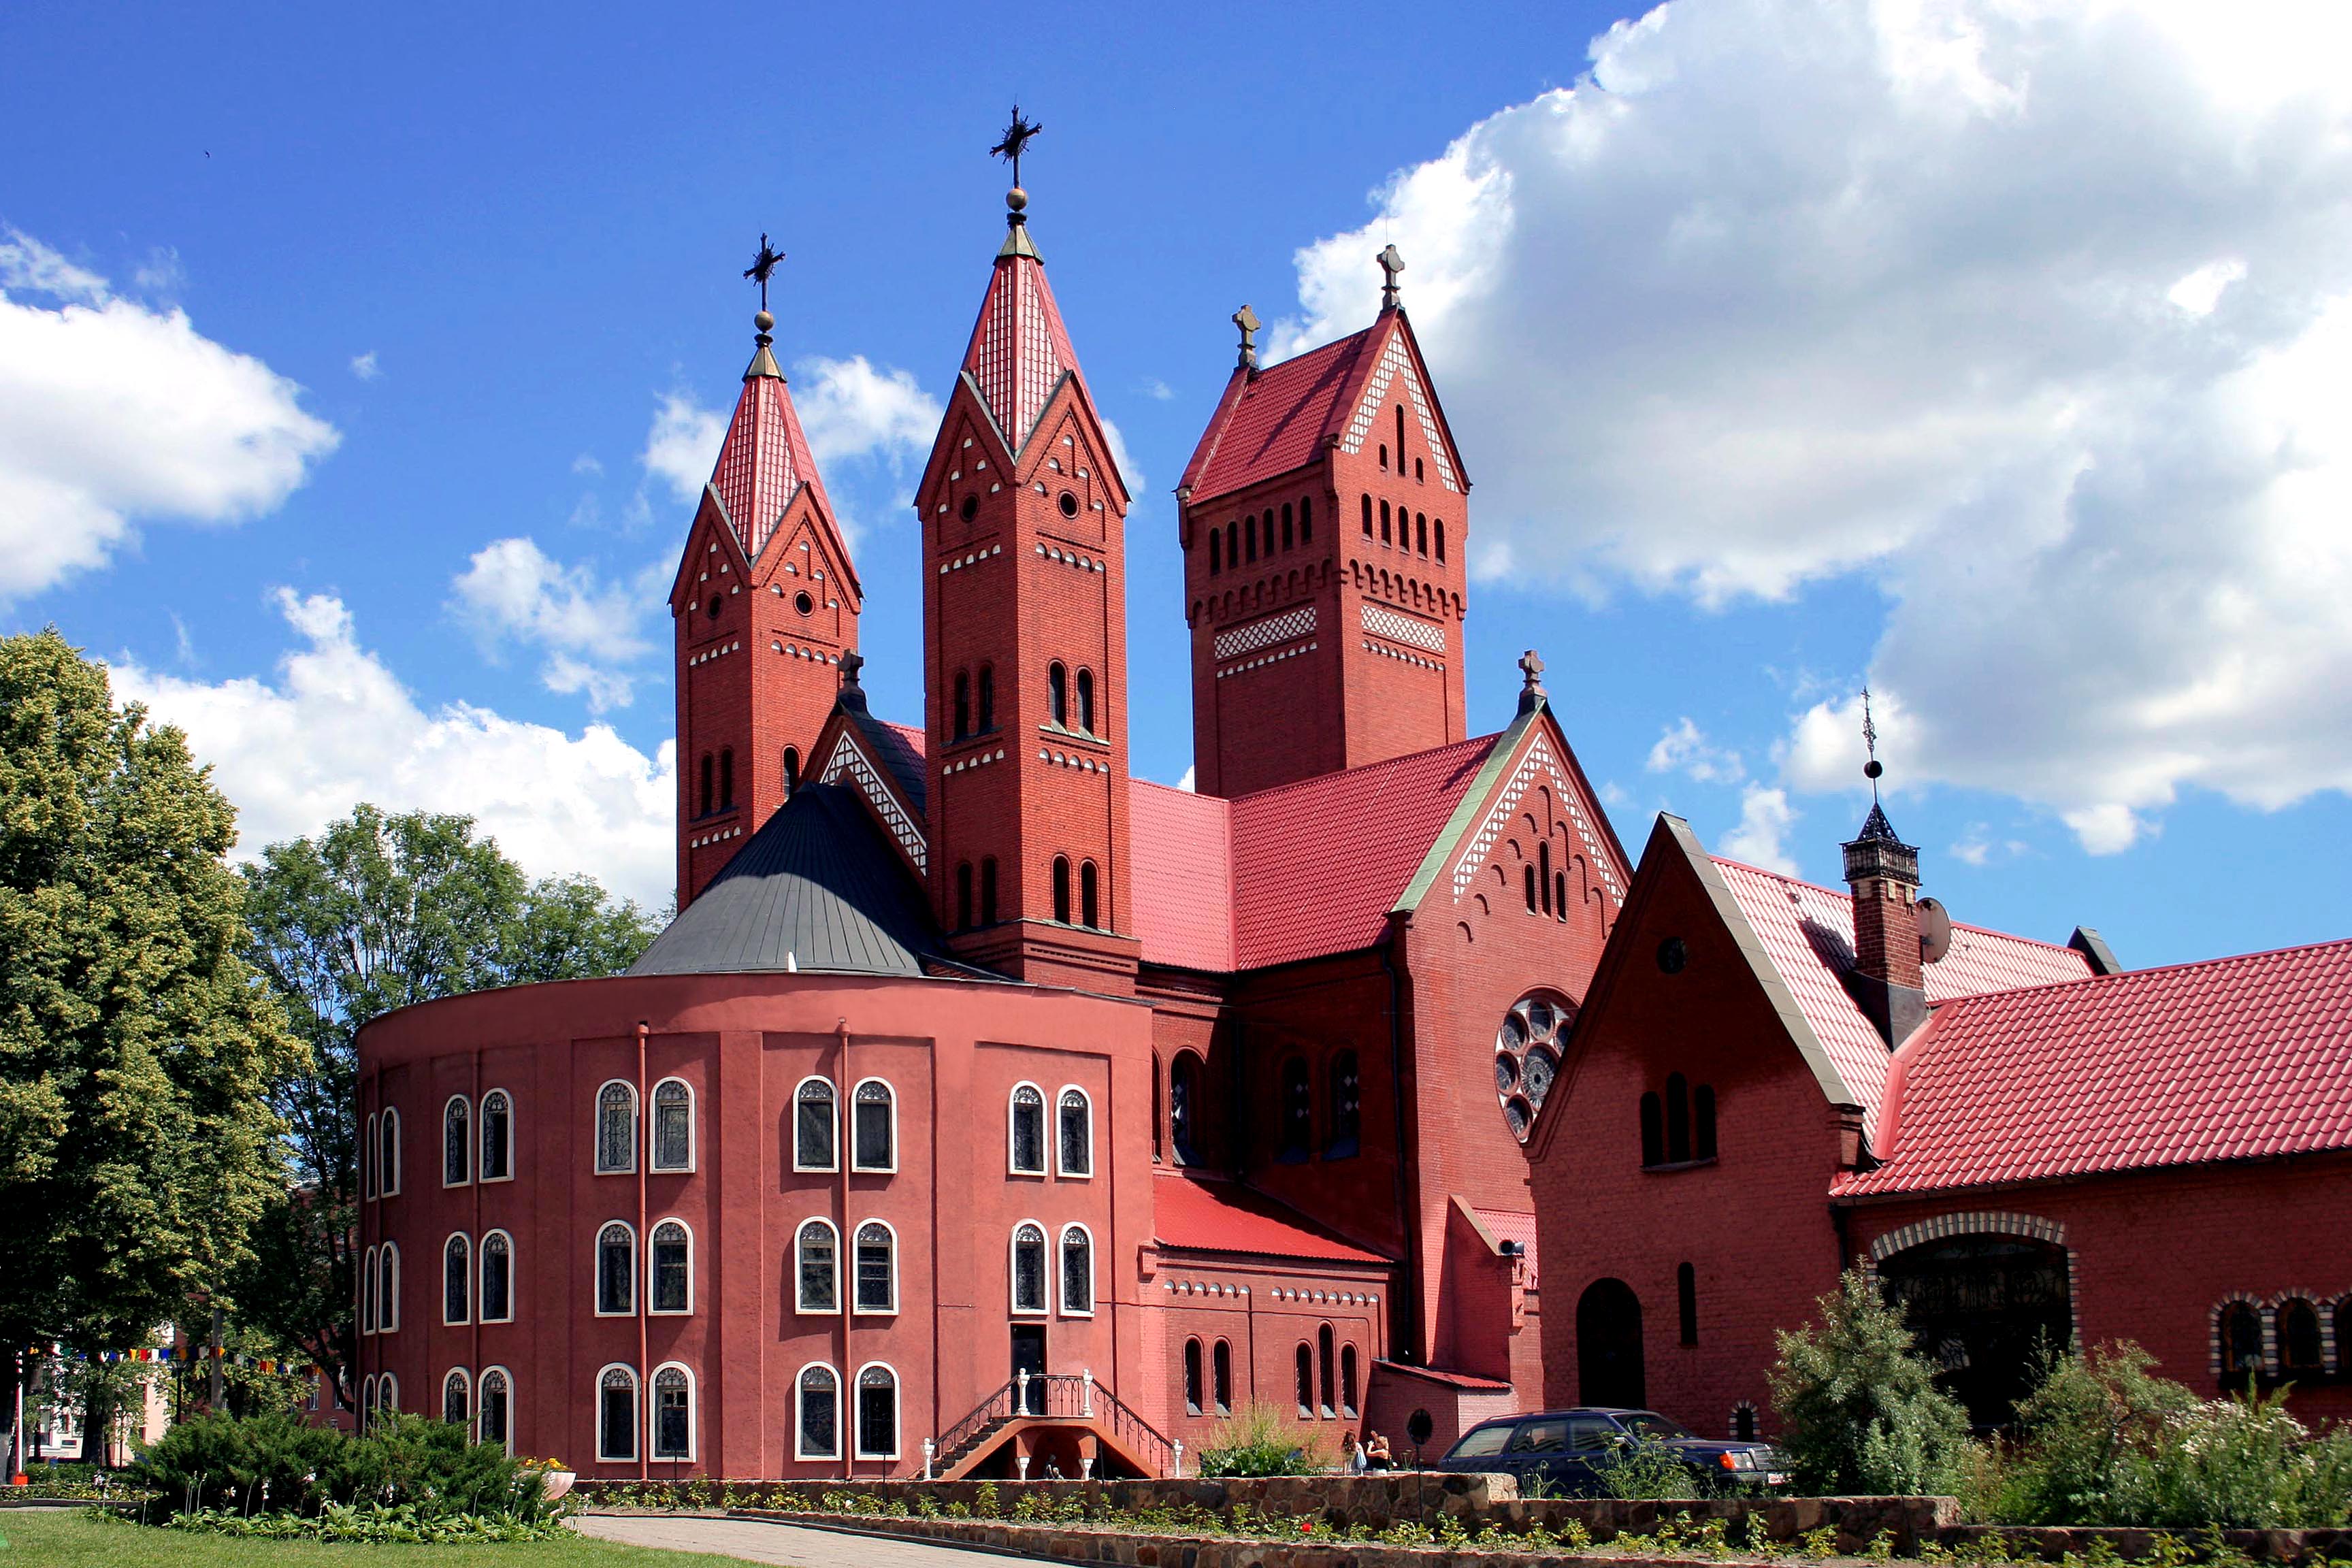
(765, 459)
(1511, 1225)
(2233, 1058)
(1210, 1214)
(1019, 350)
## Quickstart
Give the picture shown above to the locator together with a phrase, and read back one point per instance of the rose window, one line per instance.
(1526, 1057)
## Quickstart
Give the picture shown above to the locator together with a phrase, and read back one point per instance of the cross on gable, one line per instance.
(1246, 320)
(1391, 263)
(1532, 664)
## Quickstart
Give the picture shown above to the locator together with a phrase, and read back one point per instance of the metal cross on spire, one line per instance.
(763, 268)
(1017, 137)
(1246, 320)
(1390, 264)
(1871, 769)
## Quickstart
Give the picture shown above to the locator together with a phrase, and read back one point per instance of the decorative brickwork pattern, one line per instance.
(1394, 364)
(1273, 629)
(848, 759)
(1539, 764)
(1386, 623)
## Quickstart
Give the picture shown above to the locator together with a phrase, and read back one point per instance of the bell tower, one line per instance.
(765, 605)
(1024, 644)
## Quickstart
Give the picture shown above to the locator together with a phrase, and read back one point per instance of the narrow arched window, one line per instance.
(1528, 877)
(1057, 694)
(962, 705)
(2298, 1337)
(368, 1299)
(616, 1128)
(1184, 1108)
(1298, 1110)
(727, 779)
(877, 1413)
(1089, 896)
(1078, 1272)
(1420, 533)
(616, 1415)
(1329, 1372)
(1086, 701)
(1743, 1423)
(1560, 895)
(673, 1125)
(1025, 1138)
(1233, 544)
(816, 1267)
(457, 1142)
(388, 1278)
(1062, 889)
(1543, 874)
(1220, 1376)
(1703, 1122)
(457, 1279)
(1348, 1381)
(498, 1278)
(497, 1409)
(1654, 1132)
(791, 769)
(1305, 520)
(1217, 551)
(2241, 1331)
(1368, 517)
(1286, 525)
(1440, 539)
(616, 1270)
(457, 1401)
(878, 1268)
(1193, 1383)
(988, 889)
(498, 1136)
(874, 1143)
(1345, 1135)
(1686, 1301)
(813, 1147)
(388, 1162)
(672, 1414)
(963, 895)
(1076, 1144)
(1303, 1370)
(708, 795)
(1679, 1147)
(1400, 423)
(1384, 457)
(1249, 537)
(1384, 524)
(1028, 1267)
(368, 1159)
(987, 702)
(1269, 533)
(817, 1433)
(387, 1394)
(673, 1269)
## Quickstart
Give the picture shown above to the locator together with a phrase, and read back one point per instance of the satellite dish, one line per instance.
(1935, 931)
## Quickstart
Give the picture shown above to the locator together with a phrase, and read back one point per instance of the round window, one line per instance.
(971, 508)
(1070, 504)
(1672, 955)
(803, 602)
(1527, 1049)
(715, 602)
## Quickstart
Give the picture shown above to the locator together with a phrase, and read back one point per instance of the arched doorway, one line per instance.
(1608, 1346)
(1985, 1309)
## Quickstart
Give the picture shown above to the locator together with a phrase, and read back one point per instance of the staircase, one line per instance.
(1051, 1399)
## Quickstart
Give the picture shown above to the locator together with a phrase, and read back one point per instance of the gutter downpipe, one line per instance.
(644, 1254)
(845, 1255)
(1406, 1206)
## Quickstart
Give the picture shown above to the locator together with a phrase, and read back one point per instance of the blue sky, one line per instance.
(1957, 353)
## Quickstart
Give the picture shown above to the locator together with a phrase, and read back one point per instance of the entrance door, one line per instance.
(1029, 1356)
(1986, 1310)
(1608, 1346)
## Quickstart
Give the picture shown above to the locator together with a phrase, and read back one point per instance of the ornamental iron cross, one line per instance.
(1246, 320)
(1017, 137)
(763, 268)
(1532, 664)
(1390, 264)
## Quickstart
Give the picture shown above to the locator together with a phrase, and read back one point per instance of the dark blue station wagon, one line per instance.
(1565, 1450)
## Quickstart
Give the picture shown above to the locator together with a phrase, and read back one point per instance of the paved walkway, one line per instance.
(760, 1541)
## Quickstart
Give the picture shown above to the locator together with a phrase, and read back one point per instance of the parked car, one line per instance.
(1566, 1450)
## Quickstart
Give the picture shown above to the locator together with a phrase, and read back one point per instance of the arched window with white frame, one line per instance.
(1029, 1266)
(616, 1270)
(456, 1142)
(387, 1180)
(1074, 1145)
(1026, 1131)
(369, 1148)
(816, 1427)
(877, 1411)
(669, 1277)
(877, 1268)
(387, 1315)
(498, 1136)
(616, 1128)
(496, 1267)
(673, 1134)
(812, 1126)
(367, 1401)
(457, 1279)
(387, 1394)
(874, 1127)
(495, 1421)
(1078, 1272)
(367, 1291)
(816, 1267)
(674, 1414)
(457, 1398)
(617, 1414)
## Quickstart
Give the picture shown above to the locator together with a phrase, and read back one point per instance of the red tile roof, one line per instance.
(1276, 420)
(764, 458)
(1461, 1380)
(1210, 1214)
(2233, 1058)
(1510, 1224)
(1182, 850)
(1808, 932)
(1019, 347)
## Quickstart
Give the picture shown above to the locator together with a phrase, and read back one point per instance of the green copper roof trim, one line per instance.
(762, 364)
(1016, 243)
(1465, 812)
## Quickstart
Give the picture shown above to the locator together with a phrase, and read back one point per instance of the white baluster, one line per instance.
(1021, 1462)
(1020, 1398)
(929, 1448)
(1086, 1393)
(1177, 1466)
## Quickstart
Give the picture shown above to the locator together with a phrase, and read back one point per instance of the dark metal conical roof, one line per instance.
(1876, 828)
(817, 888)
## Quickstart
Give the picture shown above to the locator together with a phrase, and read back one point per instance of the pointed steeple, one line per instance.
(765, 458)
(1020, 349)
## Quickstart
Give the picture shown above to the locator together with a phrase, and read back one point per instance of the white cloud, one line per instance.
(1762, 836)
(586, 465)
(2038, 314)
(364, 366)
(338, 728)
(1185, 784)
(111, 414)
(1684, 749)
(512, 591)
(682, 447)
(1156, 390)
(851, 410)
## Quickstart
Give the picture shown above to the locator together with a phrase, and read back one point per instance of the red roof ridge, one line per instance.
(1401, 758)
(1251, 1221)
(1847, 893)
(1292, 408)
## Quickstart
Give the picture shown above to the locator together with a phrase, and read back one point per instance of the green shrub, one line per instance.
(274, 1464)
(1859, 1407)
(2087, 1435)
(259, 1462)
(1648, 1470)
(1258, 1441)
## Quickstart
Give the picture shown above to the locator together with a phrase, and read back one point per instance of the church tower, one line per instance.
(1024, 646)
(1325, 521)
(765, 605)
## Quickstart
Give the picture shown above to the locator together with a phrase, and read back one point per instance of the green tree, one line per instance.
(1859, 1407)
(137, 1144)
(378, 911)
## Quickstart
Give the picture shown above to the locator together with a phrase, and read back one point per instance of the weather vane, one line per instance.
(1871, 769)
(1017, 137)
(763, 268)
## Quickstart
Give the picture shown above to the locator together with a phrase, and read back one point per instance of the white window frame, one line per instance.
(892, 1309)
(471, 1279)
(596, 1268)
(856, 1417)
(889, 1089)
(839, 1302)
(442, 1414)
(799, 1427)
(651, 1231)
(596, 1128)
(1061, 1292)
(653, 1130)
(1013, 1269)
(833, 1091)
(387, 1176)
(388, 1280)
(482, 1122)
(387, 1393)
(1044, 1130)
(1061, 1171)
(637, 1396)
(481, 1275)
(367, 1400)
(371, 1157)
(369, 1300)
(482, 1381)
(465, 1108)
(653, 1415)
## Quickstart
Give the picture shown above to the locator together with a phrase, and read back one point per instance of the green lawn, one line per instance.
(78, 1537)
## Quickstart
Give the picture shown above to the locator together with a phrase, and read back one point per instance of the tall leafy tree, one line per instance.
(138, 1146)
(379, 911)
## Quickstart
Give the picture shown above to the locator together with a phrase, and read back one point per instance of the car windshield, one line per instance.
(1481, 1441)
(1650, 1428)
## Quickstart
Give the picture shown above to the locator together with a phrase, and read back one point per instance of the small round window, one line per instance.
(803, 602)
(715, 602)
(971, 508)
(1672, 955)
(1070, 504)
(1526, 1056)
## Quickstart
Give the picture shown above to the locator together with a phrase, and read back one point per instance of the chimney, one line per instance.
(1887, 983)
